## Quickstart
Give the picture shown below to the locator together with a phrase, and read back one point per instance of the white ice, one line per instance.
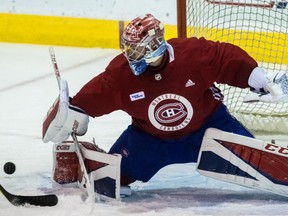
(28, 88)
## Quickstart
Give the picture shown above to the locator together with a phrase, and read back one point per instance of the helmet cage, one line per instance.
(137, 51)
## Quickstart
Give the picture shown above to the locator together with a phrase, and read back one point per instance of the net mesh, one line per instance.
(261, 28)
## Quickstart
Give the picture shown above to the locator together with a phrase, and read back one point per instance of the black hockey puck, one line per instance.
(9, 168)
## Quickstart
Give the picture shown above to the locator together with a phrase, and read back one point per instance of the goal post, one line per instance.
(260, 27)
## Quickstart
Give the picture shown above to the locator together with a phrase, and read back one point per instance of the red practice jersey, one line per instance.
(177, 99)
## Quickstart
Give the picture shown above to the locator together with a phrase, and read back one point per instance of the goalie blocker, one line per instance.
(62, 119)
(245, 161)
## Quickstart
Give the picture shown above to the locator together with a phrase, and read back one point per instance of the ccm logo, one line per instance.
(63, 147)
(273, 148)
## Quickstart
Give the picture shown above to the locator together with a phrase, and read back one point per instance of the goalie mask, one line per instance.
(143, 42)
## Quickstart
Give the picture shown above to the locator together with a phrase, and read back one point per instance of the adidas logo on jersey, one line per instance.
(189, 83)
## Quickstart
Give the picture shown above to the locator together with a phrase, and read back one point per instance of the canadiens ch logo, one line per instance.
(170, 112)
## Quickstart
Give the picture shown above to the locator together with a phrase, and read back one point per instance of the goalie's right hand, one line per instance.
(62, 119)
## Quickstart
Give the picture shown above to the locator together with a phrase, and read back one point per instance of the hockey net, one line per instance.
(258, 26)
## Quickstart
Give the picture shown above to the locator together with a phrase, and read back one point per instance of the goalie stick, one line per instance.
(85, 183)
(101, 183)
(37, 200)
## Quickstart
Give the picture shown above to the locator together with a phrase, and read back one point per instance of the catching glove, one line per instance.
(270, 87)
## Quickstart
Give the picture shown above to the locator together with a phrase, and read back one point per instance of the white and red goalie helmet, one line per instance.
(143, 42)
(138, 29)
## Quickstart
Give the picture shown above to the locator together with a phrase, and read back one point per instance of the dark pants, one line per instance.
(143, 155)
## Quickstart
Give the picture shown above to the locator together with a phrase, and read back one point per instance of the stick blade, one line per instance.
(38, 200)
(42, 200)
